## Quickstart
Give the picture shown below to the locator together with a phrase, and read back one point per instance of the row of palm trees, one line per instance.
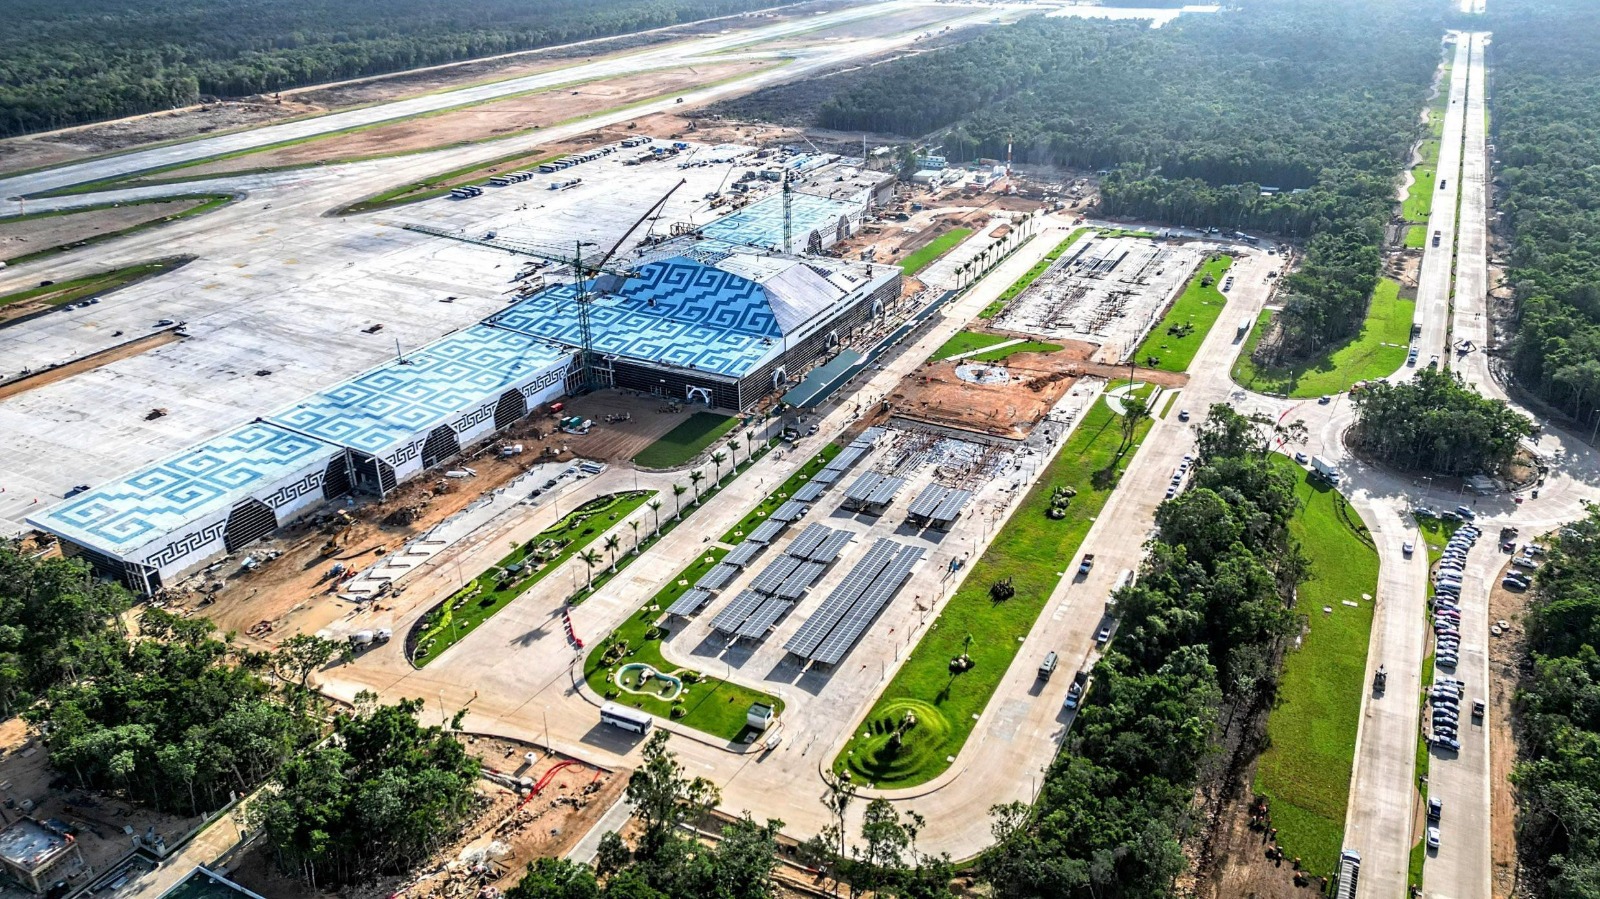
(974, 268)
(612, 543)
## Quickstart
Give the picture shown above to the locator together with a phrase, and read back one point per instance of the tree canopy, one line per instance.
(56, 620)
(1197, 632)
(72, 61)
(1318, 102)
(1437, 423)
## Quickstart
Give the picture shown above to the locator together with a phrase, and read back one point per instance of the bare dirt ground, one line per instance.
(1506, 653)
(478, 123)
(26, 776)
(933, 393)
(21, 237)
(90, 362)
(291, 593)
(1242, 868)
(512, 828)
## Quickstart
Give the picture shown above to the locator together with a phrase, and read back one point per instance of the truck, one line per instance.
(1326, 469)
(1349, 874)
(1380, 679)
(1244, 327)
(1086, 565)
(362, 640)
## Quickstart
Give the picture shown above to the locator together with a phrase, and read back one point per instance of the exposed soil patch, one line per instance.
(1506, 653)
(1036, 382)
(477, 123)
(90, 362)
(512, 828)
(20, 237)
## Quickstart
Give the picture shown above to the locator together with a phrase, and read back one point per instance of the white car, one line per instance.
(1433, 838)
(1408, 548)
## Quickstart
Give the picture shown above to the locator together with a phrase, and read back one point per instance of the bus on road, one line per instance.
(626, 718)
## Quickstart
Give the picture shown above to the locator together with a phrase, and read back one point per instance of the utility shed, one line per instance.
(37, 856)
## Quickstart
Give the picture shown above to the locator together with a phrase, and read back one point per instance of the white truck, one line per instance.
(1326, 469)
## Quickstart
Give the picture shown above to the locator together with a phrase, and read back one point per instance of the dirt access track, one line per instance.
(487, 121)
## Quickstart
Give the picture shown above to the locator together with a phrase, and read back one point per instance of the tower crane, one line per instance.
(585, 269)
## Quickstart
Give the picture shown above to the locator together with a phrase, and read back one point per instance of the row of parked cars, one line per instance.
(1447, 596)
(1524, 563)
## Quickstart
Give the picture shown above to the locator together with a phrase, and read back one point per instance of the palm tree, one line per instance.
(717, 458)
(612, 543)
(1134, 411)
(733, 450)
(678, 490)
(695, 477)
(591, 559)
(655, 509)
(749, 445)
(635, 526)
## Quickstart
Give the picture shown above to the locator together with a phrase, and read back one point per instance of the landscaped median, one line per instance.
(1021, 284)
(1033, 551)
(615, 668)
(924, 256)
(1172, 344)
(514, 575)
(1305, 771)
(1377, 352)
(779, 496)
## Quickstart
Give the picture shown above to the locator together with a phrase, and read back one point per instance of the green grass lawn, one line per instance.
(966, 342)
(710, 704)
(1377, 352)
(1416, 237)
(686, 441)
(1172, 343)
(1305, 772)
(494, 589)
(76, 289)
(1027, 346)
(1419, 199)
(203, 203)
(1028, 277)
(924, 257)
(1035, 552)
(776, 498)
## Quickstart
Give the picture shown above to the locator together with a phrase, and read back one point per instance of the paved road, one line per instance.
(1433, 282)
(671, 55)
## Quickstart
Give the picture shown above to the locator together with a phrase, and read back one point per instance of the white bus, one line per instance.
(1349, 874)
(626, 718)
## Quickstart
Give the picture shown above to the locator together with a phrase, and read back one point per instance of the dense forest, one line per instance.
(65, 62)
(1436, 423)
(1319, 101)
(1195, 656)
(1546, 129)
(1558, 704)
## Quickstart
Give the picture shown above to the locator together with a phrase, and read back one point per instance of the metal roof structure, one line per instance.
(690, 602)
(766, 532)
(718, 577)
(831, 631)
(830, 548)
(938, 504)
(789, 511)
(775, 574)
(804, 575)
(842, 463)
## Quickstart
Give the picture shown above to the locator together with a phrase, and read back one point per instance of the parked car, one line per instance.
(1407, 547)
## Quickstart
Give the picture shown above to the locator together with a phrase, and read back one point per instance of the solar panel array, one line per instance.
(830, 548)
(804, 575)
(939, 504)
(763, 618)
(866, 609)
(789, 511)
(690, 602)
(847, 597)
(766, 531)
(717, 577)
(811, 492)
(809, 539)
(841, 463)
(735, 613)
(873, 489)
(775, 574)
(744, 553)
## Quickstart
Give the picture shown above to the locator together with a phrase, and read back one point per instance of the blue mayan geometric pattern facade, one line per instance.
(397, 402)
(209, 479)
(761, 223)
(703, 318)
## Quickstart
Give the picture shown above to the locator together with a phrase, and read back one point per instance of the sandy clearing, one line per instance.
(19, 237)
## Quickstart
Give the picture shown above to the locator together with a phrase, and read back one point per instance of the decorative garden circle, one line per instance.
(645, 680)
(983, 373)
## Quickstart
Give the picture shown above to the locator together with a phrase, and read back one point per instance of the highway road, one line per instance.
(1433, 281)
